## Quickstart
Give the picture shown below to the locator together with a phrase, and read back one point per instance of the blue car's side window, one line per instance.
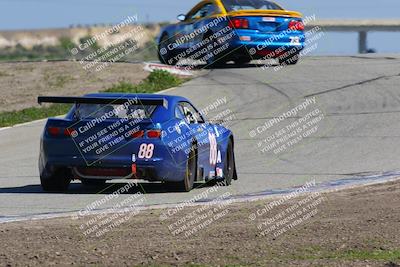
(198, 14)
(204, 11)
(179, 112)
(211, 9)
(191, 114)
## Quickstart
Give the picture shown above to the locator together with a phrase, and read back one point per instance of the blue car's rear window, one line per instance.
(235, 5)
(92, 111)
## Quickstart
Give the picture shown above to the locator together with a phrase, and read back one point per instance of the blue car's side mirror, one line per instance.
(181, 17)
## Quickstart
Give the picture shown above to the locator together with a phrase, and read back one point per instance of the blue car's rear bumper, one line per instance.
(257, 45)
(163, 167)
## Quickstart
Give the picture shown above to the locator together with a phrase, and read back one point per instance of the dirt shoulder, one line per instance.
(21, 83)
(354, 227)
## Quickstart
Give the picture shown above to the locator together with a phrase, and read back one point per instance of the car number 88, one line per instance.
(146, 151)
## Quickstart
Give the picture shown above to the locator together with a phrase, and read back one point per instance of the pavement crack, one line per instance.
(256, 81)
(374, 58)
(352, 85)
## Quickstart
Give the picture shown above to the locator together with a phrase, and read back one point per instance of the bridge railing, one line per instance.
(363, 27)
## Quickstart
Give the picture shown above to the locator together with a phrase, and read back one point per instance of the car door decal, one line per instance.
(213, 149)
(219, 159)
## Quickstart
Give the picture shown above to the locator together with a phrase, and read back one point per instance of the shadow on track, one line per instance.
(225, 66)
(108, 188)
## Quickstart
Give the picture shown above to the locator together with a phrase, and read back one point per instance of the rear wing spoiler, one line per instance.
(104, 100)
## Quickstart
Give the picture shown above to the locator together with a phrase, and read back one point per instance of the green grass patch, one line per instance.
(386, 255)
(4, 74)
(31, 114)
(57, 81)
(379, 255)
(156, 81)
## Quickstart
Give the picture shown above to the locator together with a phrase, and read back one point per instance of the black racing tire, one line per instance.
(289, 60)
(242, 61)
(165, 57)
(57, 182)
(191, 171)
(213, 60)
(229, 167)
(93, 182)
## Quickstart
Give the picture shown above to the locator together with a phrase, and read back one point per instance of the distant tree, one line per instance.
(66, 43)
(93, 44)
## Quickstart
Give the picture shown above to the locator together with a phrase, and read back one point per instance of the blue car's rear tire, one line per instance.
(57, 182)
(190, 175)
(229, 166)
(93, 182)
(242, 61)
(191, 171)
(289, 59)
(213, 60)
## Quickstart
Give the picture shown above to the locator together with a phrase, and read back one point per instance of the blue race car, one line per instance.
(218, 31)
(133, 136)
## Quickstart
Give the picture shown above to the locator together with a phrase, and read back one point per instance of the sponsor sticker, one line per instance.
(295, 40)
(269, 19)
(220, 172)
(219, 160)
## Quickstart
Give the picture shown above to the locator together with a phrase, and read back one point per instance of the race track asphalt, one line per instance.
(359, 132)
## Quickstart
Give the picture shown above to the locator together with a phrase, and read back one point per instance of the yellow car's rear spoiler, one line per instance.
(265, 12)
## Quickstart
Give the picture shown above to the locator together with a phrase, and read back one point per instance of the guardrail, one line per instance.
(360, 26)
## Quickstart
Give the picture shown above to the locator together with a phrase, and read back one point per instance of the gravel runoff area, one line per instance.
(353, 227)
(22, 82)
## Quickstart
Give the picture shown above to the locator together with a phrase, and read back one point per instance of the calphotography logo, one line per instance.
(111, 45)
(101, 218)
(199, 133)
(285, 132)
(284, 214)
(94, 135)
(198, 218)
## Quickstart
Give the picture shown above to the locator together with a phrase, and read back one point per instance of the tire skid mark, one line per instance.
(352, 85)
(263, 83)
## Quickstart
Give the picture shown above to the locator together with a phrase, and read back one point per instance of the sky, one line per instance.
(29, 14)
(35, 14)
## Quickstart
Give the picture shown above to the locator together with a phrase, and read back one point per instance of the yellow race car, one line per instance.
(218, 31)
